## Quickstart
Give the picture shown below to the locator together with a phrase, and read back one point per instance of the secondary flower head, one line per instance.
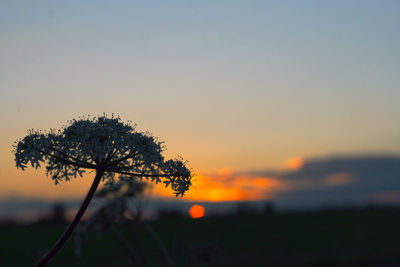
(105, 144)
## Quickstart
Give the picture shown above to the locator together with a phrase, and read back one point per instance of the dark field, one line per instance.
(369, 237)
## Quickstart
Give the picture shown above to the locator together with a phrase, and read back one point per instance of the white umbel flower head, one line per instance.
(105, 144)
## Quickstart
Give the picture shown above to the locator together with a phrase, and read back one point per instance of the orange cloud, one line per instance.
(223, 185)
(244, 181)
(294, 163)
(205, 188)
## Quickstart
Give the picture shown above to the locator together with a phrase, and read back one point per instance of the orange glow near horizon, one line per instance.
(225, 186)
(196, 211)
(213, 186)
(295, 163)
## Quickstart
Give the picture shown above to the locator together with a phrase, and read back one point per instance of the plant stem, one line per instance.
(138, 248)
(136, 219)
(74, 223)
(125, 245)
(166, 258)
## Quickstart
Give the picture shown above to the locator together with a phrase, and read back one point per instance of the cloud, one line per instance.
(295, 163)
(228, 185)
(338, 179)
(341, 180)
(320, 182)
(385, 197)
(314, 182)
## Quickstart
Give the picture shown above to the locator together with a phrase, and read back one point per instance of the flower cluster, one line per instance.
(104, 144)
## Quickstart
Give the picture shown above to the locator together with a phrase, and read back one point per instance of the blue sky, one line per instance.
(236, 84)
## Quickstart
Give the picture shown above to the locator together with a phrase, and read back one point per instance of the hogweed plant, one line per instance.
(111, 148)
(116, 199)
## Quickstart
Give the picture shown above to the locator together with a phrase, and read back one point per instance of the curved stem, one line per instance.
(125, 245)
(74, 222)
(166, 258)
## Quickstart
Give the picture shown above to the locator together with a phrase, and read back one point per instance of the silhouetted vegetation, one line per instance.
(114, 150)
(269, 207)
(169, 214)
(329, 237)
(56, 215)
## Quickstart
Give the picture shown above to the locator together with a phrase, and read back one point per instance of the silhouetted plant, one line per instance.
(269, 207)
(117, 209)
(245, 208)
(117, 197)
(58, 213)
(111, 148)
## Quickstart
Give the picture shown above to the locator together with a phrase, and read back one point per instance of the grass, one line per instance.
(333, 237)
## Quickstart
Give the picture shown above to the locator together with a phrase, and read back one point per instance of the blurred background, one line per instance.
(288, 113)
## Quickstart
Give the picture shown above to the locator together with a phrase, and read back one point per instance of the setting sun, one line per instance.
(196, 211)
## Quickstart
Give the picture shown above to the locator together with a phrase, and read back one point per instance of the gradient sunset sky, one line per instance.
(228, 85)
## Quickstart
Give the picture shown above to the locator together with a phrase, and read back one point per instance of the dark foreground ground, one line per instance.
(369, 237)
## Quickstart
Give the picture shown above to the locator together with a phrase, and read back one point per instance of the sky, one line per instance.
(231, 86)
